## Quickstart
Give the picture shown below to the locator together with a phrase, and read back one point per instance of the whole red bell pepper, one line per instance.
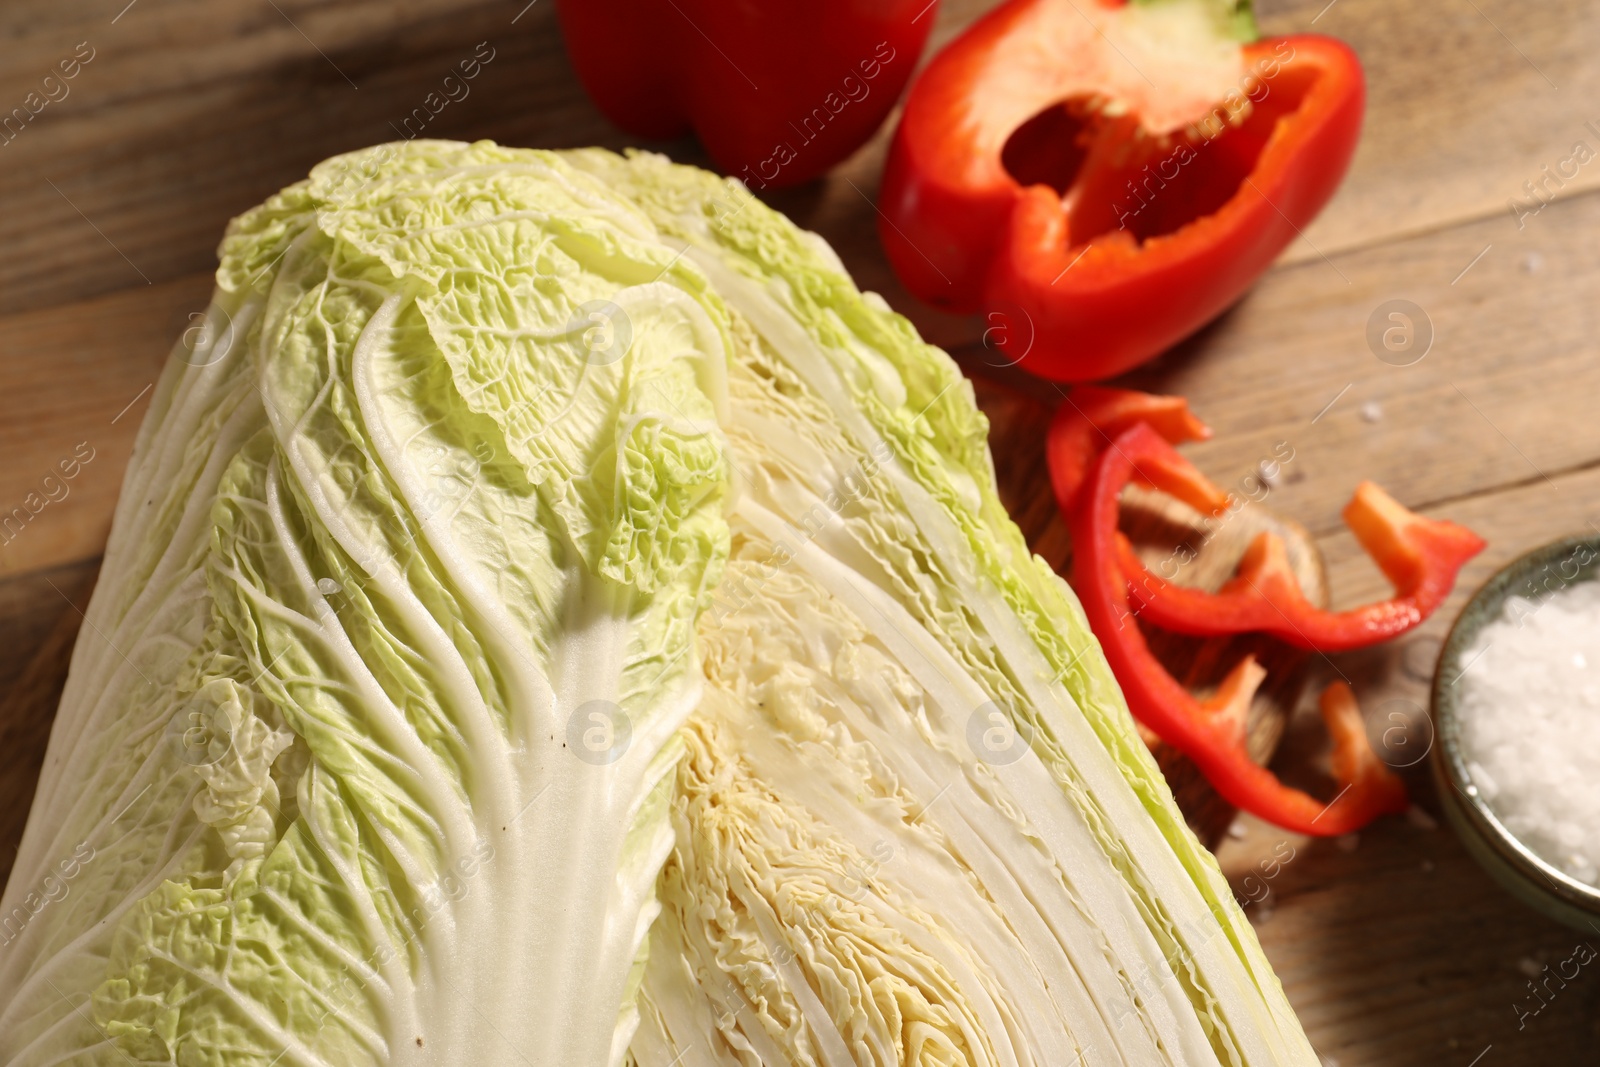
(1211, 733)
(1103, 177)
(777, 93)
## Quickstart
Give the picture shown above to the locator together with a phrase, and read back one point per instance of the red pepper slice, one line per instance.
(777, 93)
(1420, 556)
(1091, 417)
(1112, 175)
(1211, 733)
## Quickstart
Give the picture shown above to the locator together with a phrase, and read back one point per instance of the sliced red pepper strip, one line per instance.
(1420, 556)
(1092, 416)
(1210, 733)
(1354, 763)
(1109, 176)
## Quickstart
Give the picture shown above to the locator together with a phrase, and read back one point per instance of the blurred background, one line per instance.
(1393, 946)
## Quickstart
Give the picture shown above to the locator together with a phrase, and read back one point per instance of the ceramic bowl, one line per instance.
(1536, 575)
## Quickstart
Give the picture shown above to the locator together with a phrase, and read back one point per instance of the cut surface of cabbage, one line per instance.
(520, 522)
(915, 825)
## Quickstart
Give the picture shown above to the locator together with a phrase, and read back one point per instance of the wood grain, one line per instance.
(1466, 100)
(1396, 950)
(76, 389)
(39, 620)
(192, 111)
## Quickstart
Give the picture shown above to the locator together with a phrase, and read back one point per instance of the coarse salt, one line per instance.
(1530, 718)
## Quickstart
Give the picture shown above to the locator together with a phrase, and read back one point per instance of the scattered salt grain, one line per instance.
(1530, 714)
(1529, 966)
(1348, 842)
(1532, 262)
(1238, 830)
(1372, 411)
(1427, 866)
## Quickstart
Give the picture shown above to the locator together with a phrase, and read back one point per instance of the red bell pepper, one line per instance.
(1420, 556)
(777, 93)
(1112, 174)
(1211, 733)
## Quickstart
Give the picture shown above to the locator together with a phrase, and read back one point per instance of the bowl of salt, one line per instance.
(1516, 706)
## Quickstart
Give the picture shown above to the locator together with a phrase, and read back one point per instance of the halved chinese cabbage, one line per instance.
(492, 465)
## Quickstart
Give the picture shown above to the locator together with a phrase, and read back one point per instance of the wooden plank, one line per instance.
(75, 385)
(1401, 953)
(192, 111)
(1453, 137)
(29, 608)
(39, 620)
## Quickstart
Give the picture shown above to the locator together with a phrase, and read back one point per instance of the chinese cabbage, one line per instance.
(553, 617)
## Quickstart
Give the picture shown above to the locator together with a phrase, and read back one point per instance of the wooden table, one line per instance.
(1395, 949)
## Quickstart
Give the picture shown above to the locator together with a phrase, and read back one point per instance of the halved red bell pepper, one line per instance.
(1420, 556)
(1111, 174)
(777, 93)
(1211, 733)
